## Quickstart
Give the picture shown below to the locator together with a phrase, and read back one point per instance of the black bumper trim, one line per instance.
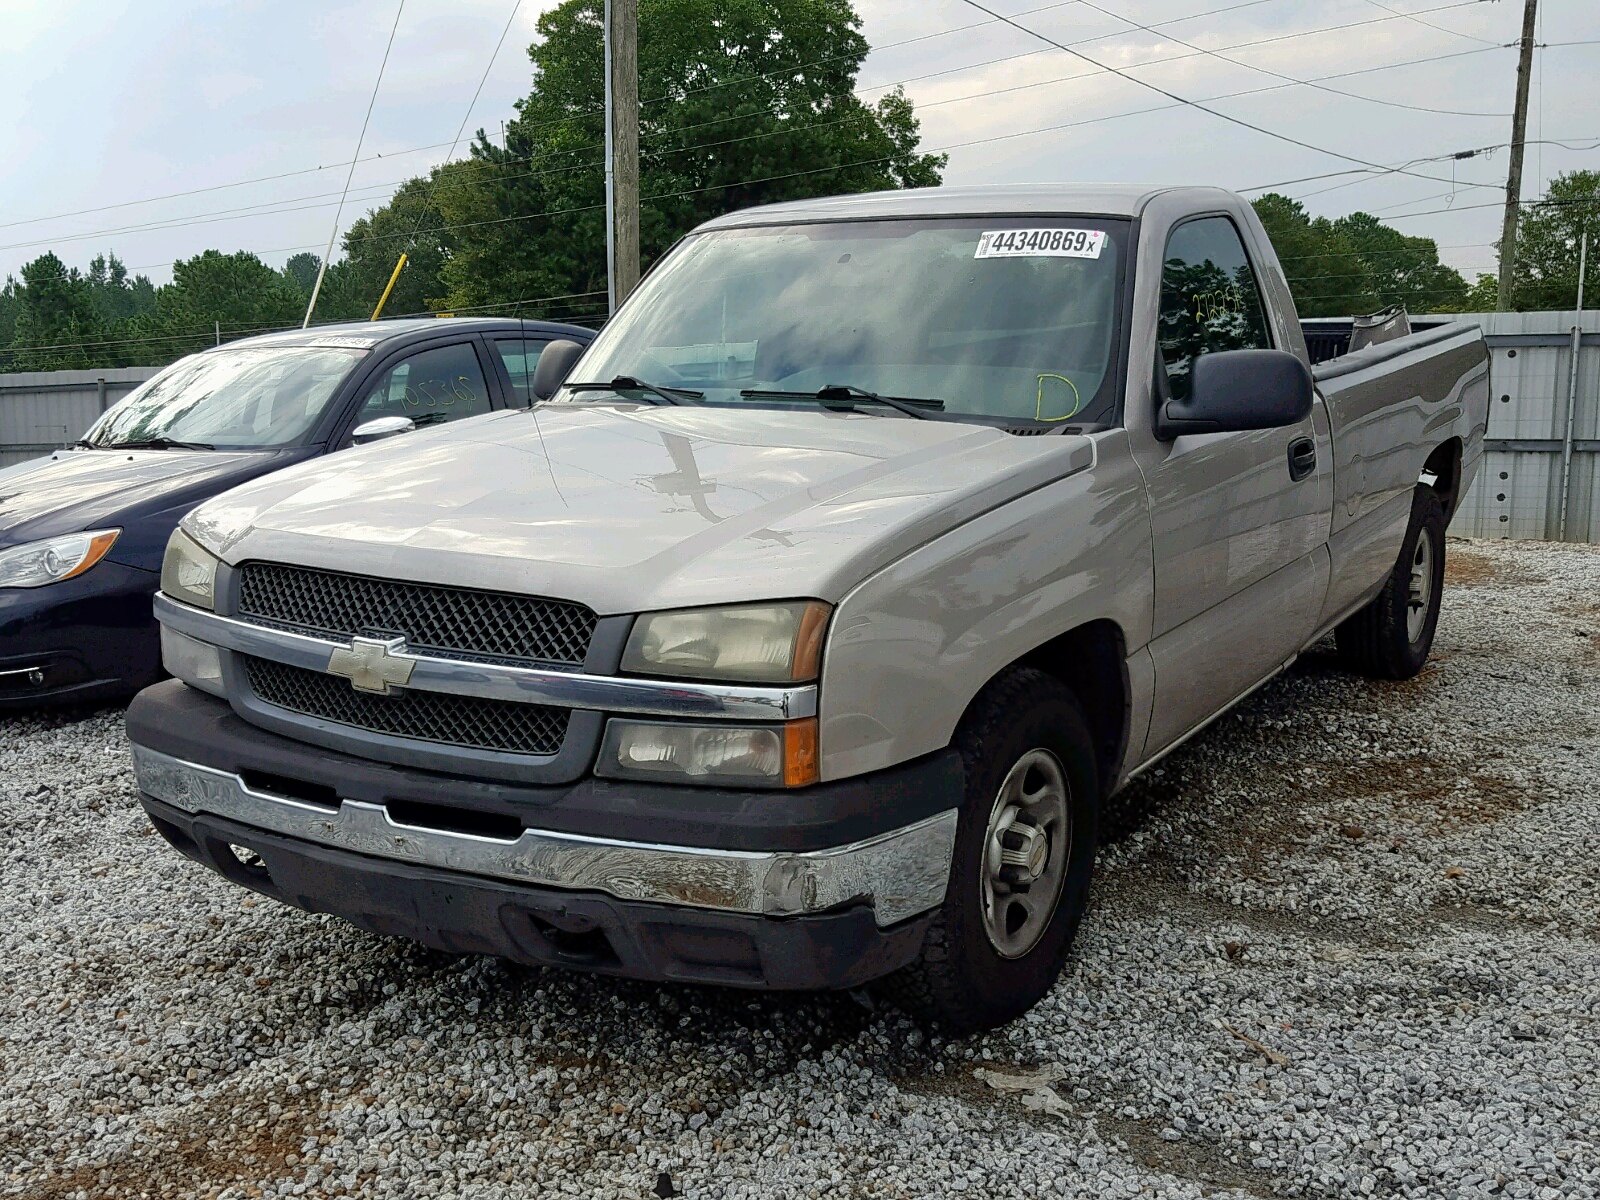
(179, 721)
(547, 927)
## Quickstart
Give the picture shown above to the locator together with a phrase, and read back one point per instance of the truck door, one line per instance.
(1239, 520)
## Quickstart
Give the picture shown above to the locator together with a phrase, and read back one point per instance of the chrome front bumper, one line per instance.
(900, 873)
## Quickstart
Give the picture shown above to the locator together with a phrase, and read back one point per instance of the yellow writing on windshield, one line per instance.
(1057, 394)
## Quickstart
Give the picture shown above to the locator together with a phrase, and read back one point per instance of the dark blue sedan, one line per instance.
(82, 532)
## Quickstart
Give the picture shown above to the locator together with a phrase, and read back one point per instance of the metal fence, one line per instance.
(1538, 478)
(41, 411)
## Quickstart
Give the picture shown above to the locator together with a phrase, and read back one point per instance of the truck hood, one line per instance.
(73, 490)
(633, 508)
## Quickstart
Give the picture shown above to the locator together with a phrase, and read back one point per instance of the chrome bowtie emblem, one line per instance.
(371, 665)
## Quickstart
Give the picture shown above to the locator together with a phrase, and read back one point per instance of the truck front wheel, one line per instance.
(1391, 637)
(1024, 851)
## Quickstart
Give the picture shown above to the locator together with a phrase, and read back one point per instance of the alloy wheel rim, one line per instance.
(1420, 592)
(1025, 851)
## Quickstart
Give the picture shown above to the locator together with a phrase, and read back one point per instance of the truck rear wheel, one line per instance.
(1024, 852)
(1391, 637)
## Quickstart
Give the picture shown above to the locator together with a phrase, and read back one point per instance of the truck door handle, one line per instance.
(1302, 458)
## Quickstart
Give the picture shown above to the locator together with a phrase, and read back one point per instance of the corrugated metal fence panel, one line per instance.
(1518, 490)
(41, 411)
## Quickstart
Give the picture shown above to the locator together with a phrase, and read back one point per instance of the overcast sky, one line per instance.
(113, 103)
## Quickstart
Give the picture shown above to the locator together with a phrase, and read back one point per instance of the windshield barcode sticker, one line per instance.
(1046, 243)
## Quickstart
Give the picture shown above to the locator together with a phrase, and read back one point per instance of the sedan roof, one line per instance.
(369, 334)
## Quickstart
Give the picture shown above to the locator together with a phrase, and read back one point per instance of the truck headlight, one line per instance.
(54, 559)
(732, 755)
(189, 573)
(749, 643)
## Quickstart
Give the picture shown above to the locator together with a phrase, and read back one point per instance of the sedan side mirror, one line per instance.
(1234, 390)
(555, 364)
(379, 428)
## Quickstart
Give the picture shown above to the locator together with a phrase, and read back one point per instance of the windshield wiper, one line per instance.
(159, 443)
(847, 392)
(628, 383)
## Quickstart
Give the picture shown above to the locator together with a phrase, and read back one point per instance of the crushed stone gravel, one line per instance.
(1344, 943)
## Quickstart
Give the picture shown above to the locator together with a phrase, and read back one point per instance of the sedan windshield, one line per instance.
(238, 398)
(1004, 319)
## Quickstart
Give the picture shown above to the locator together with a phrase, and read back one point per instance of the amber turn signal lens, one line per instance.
(99, 545)
(800, 753)
(808, 641)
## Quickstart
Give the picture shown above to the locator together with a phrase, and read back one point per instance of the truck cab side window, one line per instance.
(1209, 298)
(442, 384)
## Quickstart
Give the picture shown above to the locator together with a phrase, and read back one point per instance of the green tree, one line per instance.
(10, 304)
(1548, 236)
(1401, 269)
(1326, 274)
(300, 272)
(1357, 264)
(237, 291)
(409, 223)
(116, 296)
(1483, 296)
(743, 102)
(56, 325)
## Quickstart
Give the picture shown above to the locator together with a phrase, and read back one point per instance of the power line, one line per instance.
(561, 120)
(1121, 74)
(316, 288)
(1429, 24)
(433, 182)
(1290, 78)
(743, 79)
(290, 204)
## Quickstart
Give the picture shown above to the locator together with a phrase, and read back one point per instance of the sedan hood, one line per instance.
(629, 509)
(73, 490)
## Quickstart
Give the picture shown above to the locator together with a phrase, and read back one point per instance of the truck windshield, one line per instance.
(995, 318)
(243, 398)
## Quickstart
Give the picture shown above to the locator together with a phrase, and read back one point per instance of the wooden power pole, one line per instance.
(622, 148)
(1519, 133)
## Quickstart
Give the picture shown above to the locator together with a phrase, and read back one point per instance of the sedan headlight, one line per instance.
(750, 643)
(54, 559)
(189, 573)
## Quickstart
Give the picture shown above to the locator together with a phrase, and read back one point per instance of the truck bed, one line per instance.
(1389, 406)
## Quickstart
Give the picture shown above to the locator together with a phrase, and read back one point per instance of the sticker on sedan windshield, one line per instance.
(1041, 243)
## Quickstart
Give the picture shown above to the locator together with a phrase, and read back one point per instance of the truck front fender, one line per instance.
(913, 644)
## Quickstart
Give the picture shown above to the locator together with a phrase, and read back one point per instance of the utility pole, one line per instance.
(1519, 133)
(622, 149)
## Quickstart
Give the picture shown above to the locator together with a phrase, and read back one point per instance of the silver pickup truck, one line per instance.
(797, 638)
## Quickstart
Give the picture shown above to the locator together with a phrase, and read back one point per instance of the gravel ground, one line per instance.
(1346, 943)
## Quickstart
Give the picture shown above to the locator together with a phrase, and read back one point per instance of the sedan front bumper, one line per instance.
(84, 639)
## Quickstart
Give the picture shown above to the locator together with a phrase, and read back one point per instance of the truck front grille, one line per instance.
(467, 721)
(432, 619)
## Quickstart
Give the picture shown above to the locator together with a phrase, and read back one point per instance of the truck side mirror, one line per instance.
(555, 364)
(1234, 390)
(379, 428)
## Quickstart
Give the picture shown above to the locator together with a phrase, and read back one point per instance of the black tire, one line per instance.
(1379, 640)
(962, 982)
